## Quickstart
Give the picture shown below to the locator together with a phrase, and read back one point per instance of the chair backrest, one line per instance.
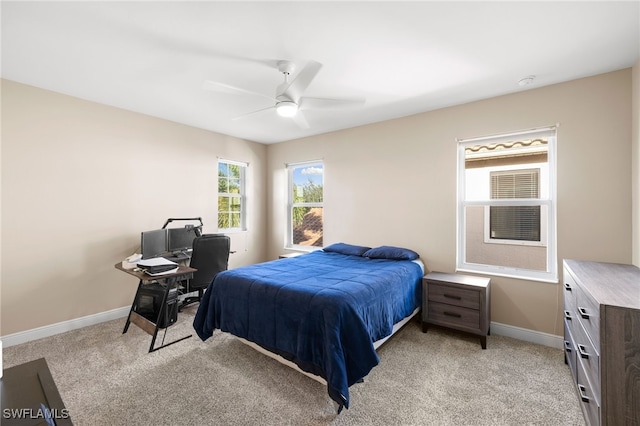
(210, 255)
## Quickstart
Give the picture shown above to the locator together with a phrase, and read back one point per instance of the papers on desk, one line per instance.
(158, 266)
(131, 261)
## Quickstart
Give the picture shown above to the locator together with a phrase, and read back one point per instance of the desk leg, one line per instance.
(133, 306)
(164, 310)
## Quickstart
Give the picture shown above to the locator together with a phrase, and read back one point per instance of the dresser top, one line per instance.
(458, 279)
(612, 284)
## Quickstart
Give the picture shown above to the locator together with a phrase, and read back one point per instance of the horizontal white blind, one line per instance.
(515, 184)
(520, 223)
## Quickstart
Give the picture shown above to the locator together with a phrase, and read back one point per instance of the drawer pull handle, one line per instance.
(583, 352)
(452, 297)
(452, 314)
(567, 286)
(567, 315)
(583, 313)
(583, 394)
(567, 346)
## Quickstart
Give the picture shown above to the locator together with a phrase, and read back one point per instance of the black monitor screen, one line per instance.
(153, 243)
(181, 239)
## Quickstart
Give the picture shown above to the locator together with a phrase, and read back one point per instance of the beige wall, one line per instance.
(395, 183)
(636, 163)
(73, 206)
(81, 180)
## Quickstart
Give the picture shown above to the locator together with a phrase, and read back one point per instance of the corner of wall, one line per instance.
(635, 174)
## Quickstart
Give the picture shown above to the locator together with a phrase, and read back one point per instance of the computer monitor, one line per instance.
(180, 239)
(153, 243)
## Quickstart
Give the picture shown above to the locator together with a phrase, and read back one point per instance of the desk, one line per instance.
(169, 282)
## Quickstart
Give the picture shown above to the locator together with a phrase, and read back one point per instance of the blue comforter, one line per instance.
(321, 310)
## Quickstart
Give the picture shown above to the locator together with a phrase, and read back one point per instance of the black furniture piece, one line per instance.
(210, 256)
(151, 307)
(29, 396)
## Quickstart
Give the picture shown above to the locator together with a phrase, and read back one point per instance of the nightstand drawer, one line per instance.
(454, 296)
(454, 316)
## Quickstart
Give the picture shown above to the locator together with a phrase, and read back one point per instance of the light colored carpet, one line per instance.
(438, 378)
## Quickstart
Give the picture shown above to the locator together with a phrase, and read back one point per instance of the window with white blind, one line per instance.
(514, 223)
(506, 205)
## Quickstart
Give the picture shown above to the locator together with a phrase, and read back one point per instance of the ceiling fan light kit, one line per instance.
(286, 108)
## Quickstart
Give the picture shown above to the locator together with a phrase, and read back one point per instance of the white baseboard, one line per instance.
(74, 324)
(64, 326)
(527, 335)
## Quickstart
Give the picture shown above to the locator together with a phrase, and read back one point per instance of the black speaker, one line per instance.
(149, 304)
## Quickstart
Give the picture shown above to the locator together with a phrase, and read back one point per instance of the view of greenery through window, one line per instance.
(306, 205)
(229, 195)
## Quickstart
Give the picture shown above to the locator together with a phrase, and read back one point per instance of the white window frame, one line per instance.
(551, 274)
(241, 195)
(291, 205)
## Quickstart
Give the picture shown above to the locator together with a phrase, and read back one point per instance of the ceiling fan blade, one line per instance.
(300, 120)
(302, 80)
(253, 113)
(328, 103)
(216, 86)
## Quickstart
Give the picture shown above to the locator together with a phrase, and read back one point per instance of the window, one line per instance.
(231, 196)
(506, 205)
(305, 218)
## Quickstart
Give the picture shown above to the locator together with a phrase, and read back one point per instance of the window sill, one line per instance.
(541, 277)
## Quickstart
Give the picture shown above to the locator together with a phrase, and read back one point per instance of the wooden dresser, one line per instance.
(602, 339)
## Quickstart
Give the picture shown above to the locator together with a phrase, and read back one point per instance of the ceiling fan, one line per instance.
(288, 99)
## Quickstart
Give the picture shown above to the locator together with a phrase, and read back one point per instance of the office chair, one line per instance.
(210, 255)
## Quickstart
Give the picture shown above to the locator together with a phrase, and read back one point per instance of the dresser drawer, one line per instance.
(588, 313)
(588, 357)
(569, 350)
(589, 404)
(454, 295)
(570, 291)
(454, 316)
(571, 320)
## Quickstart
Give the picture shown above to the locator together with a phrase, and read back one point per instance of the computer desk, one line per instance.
(169, 282)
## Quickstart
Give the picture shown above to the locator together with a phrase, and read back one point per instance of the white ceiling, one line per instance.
(402, 57)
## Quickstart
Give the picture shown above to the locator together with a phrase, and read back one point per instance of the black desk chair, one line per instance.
(210, 255)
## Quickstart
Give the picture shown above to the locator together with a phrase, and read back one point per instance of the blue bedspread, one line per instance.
(321, 310)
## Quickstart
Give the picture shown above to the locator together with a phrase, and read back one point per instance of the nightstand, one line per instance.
(461, 302)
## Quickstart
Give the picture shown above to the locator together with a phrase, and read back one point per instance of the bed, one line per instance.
(322, 311)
